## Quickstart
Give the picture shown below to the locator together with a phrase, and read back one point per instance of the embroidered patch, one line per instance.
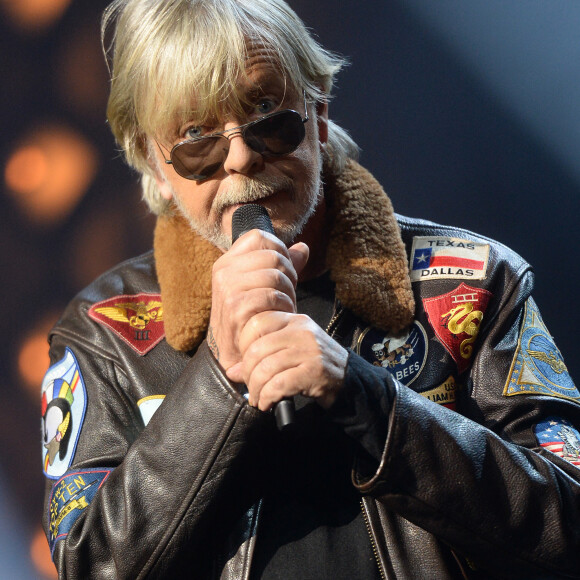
(137, 319)
(403, 356)
(434, 257)
(455, 317)
(148, 406)
(538, 367)
(63, 405)
(444, 394)
(69, 497)
(558, 436)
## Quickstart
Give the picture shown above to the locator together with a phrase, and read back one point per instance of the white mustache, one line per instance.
(247, 190)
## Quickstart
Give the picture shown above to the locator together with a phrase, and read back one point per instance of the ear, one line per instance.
(322, 120)
(155, 165)
(165, 189)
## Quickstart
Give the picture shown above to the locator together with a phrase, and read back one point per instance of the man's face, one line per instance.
(287, 186)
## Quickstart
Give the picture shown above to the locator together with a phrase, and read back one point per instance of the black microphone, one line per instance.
(253, 216)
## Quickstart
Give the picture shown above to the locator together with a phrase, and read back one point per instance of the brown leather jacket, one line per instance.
(479, 475)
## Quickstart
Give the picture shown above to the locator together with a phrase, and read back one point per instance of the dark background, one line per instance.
(466, 111)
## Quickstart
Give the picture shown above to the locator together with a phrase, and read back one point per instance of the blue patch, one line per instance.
(558, 436)
(403, 356)
(538, 367)
(64, 402)
(70, 496)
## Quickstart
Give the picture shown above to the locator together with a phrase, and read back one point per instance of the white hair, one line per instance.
(165, 53)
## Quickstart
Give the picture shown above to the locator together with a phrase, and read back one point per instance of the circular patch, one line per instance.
(403, 356)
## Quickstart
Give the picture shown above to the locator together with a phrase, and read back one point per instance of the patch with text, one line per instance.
(560, 437)
(455, 318)
(445, 394)
(138, 319)
(538, 367)
(63, 405)
(436, 257)
(70, 496)
(403, 356)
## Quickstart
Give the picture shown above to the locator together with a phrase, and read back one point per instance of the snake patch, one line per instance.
(455, 318)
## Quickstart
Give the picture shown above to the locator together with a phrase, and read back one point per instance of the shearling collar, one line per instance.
(366, 258)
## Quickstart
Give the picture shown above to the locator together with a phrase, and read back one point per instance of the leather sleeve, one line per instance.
(173, 484)
(477, 477)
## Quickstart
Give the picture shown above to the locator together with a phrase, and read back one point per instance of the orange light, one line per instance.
(40, 555)
(81, 75)
(49, 173)
(33, 360)
(34, 15)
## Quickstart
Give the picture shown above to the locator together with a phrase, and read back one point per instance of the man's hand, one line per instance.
(286, 354)
(255, 332)
(257, 274)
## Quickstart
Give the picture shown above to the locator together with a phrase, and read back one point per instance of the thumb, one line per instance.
(299, 254)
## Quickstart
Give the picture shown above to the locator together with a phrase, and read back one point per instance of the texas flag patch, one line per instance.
(560, 437)
(436, 257)
(137, 319)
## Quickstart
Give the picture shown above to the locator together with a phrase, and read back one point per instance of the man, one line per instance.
(436, 425)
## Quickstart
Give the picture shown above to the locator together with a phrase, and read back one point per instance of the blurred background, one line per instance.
(467, 111)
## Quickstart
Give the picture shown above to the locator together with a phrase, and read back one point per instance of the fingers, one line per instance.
(288, 354)
(299, 254)
(257, 274)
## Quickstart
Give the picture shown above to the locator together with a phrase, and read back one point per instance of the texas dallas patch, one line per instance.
(403, 356)
(64, 400)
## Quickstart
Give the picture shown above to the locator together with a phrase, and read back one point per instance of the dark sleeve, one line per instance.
(479, 479)
(164, 488)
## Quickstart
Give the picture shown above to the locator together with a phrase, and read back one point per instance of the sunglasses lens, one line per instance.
(278, 134)
(199, 160)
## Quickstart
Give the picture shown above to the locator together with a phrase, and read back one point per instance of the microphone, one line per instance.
(253, 216)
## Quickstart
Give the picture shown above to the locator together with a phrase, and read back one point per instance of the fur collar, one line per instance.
(366, 258)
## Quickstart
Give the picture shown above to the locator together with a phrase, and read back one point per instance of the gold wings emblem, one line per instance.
(556, 364)
(137, 314)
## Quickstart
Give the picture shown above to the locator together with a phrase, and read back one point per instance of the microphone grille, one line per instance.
(250, 216)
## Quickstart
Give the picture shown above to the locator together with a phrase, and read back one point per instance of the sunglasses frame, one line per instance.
(227, 133)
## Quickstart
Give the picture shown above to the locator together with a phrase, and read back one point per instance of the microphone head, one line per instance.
(250, 216)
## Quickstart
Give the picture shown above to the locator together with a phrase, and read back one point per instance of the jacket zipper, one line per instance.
(330, 330)
(372, 538)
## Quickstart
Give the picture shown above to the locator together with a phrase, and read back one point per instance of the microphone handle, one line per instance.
(253, 216)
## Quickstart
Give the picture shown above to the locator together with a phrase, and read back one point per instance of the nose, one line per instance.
(241, 158)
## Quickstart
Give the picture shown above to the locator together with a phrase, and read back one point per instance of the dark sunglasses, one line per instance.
(273, 135)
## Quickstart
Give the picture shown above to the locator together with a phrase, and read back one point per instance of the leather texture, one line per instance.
(464, 493)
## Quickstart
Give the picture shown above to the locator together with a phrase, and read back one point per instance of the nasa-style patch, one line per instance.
(538, 367)
(63, 405)
(444, 394)
(436, 257)
(455, 318)
(560, 437)
(137, 319)
(403, 356)
(69, 497)
(148, 406)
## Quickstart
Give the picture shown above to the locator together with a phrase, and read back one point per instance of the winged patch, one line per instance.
(538, 367)
(138, 319)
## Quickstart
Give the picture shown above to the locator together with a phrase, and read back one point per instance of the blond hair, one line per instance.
(163, 52)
